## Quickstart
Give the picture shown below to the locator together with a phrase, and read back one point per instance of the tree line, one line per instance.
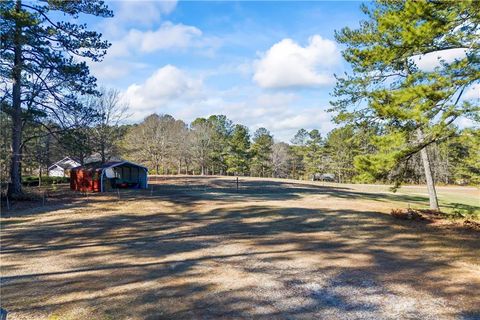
(215, 145)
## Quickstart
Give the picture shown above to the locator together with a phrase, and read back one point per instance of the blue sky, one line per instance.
(265, 64)
(262, 64)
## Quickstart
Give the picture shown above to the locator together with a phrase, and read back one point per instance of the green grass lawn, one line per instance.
(457, 202)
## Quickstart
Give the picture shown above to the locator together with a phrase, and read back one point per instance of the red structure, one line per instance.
(97, 177)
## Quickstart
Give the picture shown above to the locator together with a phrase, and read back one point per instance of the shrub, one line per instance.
(33, 180)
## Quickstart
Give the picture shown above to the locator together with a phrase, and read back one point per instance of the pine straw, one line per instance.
(427, 215)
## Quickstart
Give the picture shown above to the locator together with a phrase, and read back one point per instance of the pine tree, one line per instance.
(297, 152)
(314, 157)
(222, 128)
(238, 156)
(40, 64)
(261, 152)
(413, 107)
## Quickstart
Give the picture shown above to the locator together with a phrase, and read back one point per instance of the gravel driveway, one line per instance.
(195, 248)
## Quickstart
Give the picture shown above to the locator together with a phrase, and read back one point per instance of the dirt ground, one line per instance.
(196, 248)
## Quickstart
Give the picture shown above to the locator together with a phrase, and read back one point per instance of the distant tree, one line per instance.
(39, 72)
(413, 108)
(201, 142)
(297, 153)
(221, 129)
(300, 138)
(314, 157)
(76, 137)
(464, 157)
(141, 142)
(78, 143)
(280, 160)
(341, 147)
(238, 156)
(261, 152)
(181, 146)
(107, 132)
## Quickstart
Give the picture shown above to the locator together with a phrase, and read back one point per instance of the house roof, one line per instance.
(66, 163)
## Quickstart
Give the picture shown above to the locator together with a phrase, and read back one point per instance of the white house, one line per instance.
(62, 168)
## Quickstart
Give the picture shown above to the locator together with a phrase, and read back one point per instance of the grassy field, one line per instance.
(196, 248)
(455, 201)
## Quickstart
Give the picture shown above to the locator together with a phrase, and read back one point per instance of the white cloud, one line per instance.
(463, 122)
(167, 36)
(111, 69)
(472, 93)
(140, 13)
(287, 64)
(165, 87)
(143, 12)
(173, 91)
(428, 62)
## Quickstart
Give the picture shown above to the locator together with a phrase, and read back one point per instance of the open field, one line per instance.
(277, 249)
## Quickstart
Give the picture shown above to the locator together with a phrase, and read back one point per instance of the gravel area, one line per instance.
(198, 248)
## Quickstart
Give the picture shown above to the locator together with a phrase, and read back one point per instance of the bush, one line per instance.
(33, 180)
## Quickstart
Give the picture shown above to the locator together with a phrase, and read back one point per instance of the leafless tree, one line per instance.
(280, 160)
(201, 139)
(106, 132)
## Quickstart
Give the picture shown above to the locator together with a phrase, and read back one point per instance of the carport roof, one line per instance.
(110, 164)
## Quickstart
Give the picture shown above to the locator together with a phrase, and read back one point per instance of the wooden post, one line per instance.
(237, 184)
(8, 204)
(118, 193)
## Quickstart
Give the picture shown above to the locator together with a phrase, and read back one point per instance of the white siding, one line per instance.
(56, 172)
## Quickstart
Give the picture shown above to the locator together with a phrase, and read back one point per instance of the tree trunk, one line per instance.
(432, 193)
(102, 151)
(40, 175)
(47, 154)
(15, 185)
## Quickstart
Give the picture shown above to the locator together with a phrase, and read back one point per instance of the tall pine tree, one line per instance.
(43, 67)
(412, 106)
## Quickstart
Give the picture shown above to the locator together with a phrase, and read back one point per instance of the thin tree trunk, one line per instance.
(15, 185)
(432, 193)
(102, 151)
(40, 175)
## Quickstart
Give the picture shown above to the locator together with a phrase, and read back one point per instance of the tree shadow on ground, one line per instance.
(242, 261)
(193, 189)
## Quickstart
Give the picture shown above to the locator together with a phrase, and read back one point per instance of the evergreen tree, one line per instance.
(314, 158)
(413, 107)
(341, 146)
(297, 153)
(222, 128)
(39, 66)
(238, 157)
(261, 153)
(464, 154)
